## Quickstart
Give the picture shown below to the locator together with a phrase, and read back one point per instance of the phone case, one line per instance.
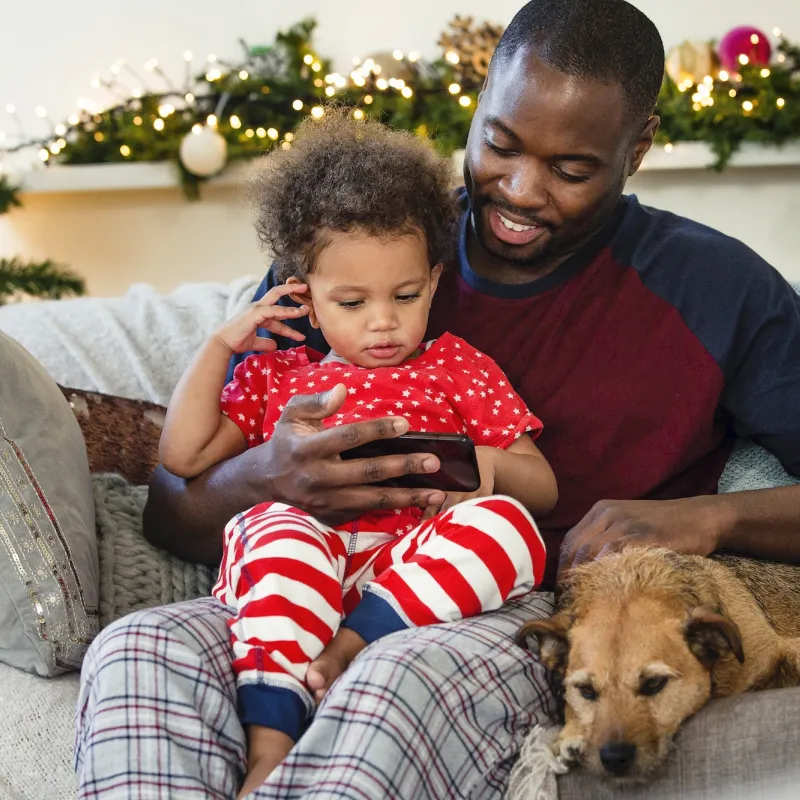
(456, 453)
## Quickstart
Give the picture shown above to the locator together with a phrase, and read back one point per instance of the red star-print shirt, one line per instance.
(449, 388)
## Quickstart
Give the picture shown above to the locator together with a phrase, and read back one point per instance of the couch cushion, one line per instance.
(48, 553)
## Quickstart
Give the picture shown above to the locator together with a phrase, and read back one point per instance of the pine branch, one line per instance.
(45, 279)
(8, 194)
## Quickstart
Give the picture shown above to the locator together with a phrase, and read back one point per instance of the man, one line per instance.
(645, 342)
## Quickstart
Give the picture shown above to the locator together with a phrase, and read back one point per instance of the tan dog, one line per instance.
(643, 638)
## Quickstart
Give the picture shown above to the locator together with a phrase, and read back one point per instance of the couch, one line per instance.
(136, 347)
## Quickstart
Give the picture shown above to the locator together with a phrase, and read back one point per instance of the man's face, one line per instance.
(547, 158)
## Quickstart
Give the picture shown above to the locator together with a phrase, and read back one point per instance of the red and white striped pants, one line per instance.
(290, 579)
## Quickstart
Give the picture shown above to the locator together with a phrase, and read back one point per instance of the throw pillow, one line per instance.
(121, 435)
(48, 551)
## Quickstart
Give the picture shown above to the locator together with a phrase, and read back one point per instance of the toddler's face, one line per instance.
(371, 296)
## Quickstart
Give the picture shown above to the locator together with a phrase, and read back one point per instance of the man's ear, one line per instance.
(304, 298)
(552, 635)
(644, 141)
(710, 636)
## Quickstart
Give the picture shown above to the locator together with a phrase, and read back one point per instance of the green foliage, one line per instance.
(44, 279)
(8, 195)
(726, 124)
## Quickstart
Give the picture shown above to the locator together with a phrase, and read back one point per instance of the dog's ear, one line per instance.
(553, 642)
(710, 635)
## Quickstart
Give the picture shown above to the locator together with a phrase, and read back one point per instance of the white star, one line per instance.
(491, 391)
(495, 411)
(487, 432)
(351, 390)
(395, 375)
(459, 358)
(406, 393)
(474, 422)
(367, 385)
(437, 400)
(457, 398)
(241, 417)
(498, 402)
(443, 419)
(252, 423)
(440, 361)
(311, 384)
(347, 374)
(248, 374)
(359, 402)
(252, 437)
(254, 398)
(264, 371)
(483, 394)
(456, 345)
(324, 377)
(265, 398)
(273, 390)
(510, 395)
(340, 416)
(470, 392)
(412, 375)
(292, 391)
(293, 380)
(501, 383)
(398, 404)
(424, 418)
(280, 408)
(370, 406)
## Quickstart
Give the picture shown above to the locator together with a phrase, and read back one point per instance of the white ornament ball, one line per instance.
(203, 151)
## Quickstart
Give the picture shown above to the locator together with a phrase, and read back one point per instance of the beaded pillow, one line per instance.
(48, 551)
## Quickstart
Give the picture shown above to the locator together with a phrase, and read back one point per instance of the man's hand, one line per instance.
(691, 525)
(301, 463)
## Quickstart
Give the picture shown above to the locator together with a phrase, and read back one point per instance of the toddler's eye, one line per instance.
(349, 303)
(407, 298)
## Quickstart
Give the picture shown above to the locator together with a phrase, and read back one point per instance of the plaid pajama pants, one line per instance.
(433, 713)
(289, 578)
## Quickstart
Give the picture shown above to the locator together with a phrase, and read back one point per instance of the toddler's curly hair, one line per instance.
(343, 175)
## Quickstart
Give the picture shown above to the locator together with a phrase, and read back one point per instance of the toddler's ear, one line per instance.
(304, 298)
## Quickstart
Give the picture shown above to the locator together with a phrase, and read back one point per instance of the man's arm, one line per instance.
(761, 524)
(299, 465)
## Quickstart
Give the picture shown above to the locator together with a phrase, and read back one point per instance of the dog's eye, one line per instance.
(587, 691)
(653, 686)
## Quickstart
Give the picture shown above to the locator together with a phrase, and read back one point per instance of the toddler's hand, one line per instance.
(486, 464)
(239, 334)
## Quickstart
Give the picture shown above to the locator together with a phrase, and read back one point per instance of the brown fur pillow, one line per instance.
(121, 435)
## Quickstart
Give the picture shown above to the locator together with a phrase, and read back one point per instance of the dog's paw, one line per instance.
(569, 749)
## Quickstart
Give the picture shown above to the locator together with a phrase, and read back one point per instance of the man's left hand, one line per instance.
(690, 525)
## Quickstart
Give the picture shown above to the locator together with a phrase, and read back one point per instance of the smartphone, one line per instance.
(458, 470)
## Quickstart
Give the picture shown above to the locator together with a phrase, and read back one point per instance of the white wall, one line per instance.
(50, 50)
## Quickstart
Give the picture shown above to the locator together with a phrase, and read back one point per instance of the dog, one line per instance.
(643, 638)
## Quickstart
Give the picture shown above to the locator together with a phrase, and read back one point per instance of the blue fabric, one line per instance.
(273, 707)
(374, 617)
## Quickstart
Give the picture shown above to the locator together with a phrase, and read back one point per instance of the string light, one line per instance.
(452, 57)
(212, 121)
(244, 75)
(406, 92)
(747, 106)
(297, 105)
(316, 66)
(285, 145)
(368, 98)
(330, 91)
(213, 75)
(261, 132)
(158, 124)
(723, 76)
(236, 123)
(166, 109)
(454, 88)
(382, 84)
(55, 149)
(465, 101)
(44, 154)
(308, 59)
(743, 59)
(776, 32)
(289, 137)
(780, 102)
(754, 38)
(358, 114)
(273, 133)
(62, 143)
(318, 112)
(765, 73)
(397, 55)
(73, 119)
(668, 148)
(249, 133)
(125, 150)
(413, 56)
(137, 120)
(732, 93)
(189, 97)
(60, 129)
(98, 137)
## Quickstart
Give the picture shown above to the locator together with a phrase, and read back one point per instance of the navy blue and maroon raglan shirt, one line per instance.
(645, 355)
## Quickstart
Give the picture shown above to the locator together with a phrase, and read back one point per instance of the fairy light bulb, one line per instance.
(732, 93)
(765, 73)
(159, 124)
(244, 75)
(368, 98)
(316, 66)
(413, 56)
(668, 148)
(197, 129)
(289, 137)
(723, 76)
(454, 88)
(125, 150)
(747, 106)
(297, 105)
(261, 132)
(382, 84)
(465, 101)
(60, 129)
(137, 120)
(754, 38)
(318, 112)
(780, 102)
(273, 133)
(397, 55)
(308, 59)
(777, 33)
(330, 91)
(407, 92)
(236, 123)
(189, 97)
(743, 59)
(358, 114)
(452, 57)
(249, 133)
(212, 121)
(44, 154)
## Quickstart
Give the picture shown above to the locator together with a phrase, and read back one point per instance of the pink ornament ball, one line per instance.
(744, 40)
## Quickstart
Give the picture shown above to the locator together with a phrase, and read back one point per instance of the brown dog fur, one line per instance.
(630, 622)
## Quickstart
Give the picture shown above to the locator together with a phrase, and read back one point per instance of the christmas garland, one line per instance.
(237, 111)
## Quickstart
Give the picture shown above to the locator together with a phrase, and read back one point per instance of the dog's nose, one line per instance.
(618, 757)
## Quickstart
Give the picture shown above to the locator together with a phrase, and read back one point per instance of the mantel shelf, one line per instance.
(164, 175)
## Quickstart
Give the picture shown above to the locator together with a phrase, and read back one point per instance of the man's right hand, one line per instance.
(301, 465)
